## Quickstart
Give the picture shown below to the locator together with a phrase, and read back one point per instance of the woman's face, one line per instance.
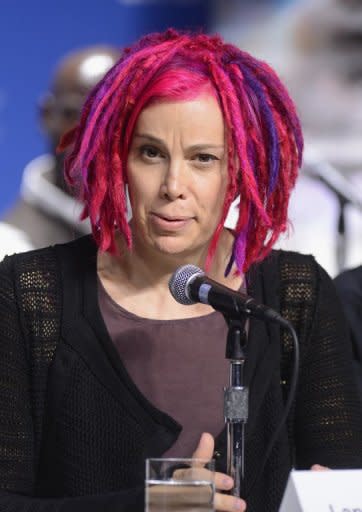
(177, 175)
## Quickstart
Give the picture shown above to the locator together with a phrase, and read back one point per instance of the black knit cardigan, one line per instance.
(75, 431)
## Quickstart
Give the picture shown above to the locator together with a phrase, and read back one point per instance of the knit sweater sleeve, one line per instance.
(328, 420)
(18, 459)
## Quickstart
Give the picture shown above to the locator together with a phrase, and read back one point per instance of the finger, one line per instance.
(193, 473)
(227, 503)
(318, 467)
(205, 448)
(223, 482)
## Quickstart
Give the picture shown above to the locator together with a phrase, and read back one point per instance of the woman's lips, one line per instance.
(170, 223)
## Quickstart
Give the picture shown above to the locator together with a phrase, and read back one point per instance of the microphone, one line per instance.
(316, 167)
(189, 285)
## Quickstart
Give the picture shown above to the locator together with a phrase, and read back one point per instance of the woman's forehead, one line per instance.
(199, 118)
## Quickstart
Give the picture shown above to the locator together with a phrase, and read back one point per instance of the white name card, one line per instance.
(323, 491)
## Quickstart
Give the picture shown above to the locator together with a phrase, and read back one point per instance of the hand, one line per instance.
(223, 482)
(318, 467)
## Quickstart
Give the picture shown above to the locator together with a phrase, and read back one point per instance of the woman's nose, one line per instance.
(174, 185)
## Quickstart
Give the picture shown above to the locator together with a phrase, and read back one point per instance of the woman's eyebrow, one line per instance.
(149, 137)
(206, 145)
(194, 147)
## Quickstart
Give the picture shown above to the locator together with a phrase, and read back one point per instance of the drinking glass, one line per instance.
(180, 485)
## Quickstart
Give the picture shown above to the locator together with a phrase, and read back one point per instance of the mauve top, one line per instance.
(178, 365)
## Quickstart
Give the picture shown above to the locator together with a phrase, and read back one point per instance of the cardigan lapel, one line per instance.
(84, 330)
(263, 347)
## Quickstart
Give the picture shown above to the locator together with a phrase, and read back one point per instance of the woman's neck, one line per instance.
(151, 267)
(138, 279)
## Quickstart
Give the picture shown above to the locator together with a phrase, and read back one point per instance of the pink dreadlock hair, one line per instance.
(264, 138)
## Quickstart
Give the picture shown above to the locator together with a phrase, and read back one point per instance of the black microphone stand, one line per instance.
(341, 234)
(236, 398)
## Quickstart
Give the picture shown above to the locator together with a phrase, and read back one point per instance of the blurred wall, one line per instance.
(35, 34)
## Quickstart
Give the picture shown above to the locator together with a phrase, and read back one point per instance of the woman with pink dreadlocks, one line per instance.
(100, 366)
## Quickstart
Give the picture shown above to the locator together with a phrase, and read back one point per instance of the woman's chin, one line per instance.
(175, 247)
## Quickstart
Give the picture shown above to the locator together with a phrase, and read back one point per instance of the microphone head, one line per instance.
(179, 282)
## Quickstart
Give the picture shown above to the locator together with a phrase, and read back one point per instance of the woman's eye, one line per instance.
(205, 158)
(150, 152)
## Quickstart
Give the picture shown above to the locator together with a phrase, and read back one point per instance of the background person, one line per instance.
(45, 211)
(90, 335)
(349, 286)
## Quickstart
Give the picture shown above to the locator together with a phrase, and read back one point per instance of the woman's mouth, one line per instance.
(170, 223)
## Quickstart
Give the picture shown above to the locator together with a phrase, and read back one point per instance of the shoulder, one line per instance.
(301, 267)
(308, 293)
(30, 260)
(294, 259)
(30, 279)
(299, 280)
(39, 267)
(293, 266)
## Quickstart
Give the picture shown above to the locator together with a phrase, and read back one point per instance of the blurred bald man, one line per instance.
(45, 212)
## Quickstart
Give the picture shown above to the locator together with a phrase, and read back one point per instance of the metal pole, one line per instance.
(341, 236)
(236, 398)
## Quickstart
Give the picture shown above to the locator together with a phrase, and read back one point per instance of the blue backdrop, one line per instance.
(34, 35)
